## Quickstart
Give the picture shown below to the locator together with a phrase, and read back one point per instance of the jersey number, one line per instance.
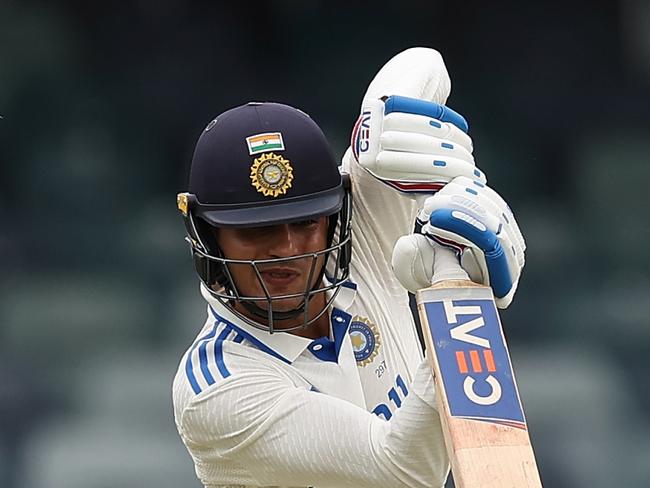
(383, 409)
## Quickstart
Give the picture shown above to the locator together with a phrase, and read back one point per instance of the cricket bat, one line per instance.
(480, 409)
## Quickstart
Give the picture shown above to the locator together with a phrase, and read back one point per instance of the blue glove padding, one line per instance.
(473, 219)
(434, 110)
(453, 221)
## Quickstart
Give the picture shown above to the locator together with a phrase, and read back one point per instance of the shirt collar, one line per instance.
(282, 345)
(347, 293)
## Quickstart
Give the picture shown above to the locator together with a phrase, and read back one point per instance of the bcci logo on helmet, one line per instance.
(271, 175)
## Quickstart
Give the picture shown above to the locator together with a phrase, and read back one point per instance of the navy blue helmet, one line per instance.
(257, 165)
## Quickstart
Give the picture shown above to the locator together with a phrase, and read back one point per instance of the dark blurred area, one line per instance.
(101, 106)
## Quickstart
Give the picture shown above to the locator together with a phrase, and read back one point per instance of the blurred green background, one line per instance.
(102, 103)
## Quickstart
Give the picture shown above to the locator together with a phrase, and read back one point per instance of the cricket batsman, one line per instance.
(308, 370)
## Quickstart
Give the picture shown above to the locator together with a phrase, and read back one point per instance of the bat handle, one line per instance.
(446, 266)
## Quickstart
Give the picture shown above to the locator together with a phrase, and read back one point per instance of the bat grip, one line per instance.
(446, 265)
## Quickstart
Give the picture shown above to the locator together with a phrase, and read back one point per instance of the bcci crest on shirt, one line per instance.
(365, 340)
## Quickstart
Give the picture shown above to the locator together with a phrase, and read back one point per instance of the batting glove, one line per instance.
(405, 135)
(413, 145)
(476, 222)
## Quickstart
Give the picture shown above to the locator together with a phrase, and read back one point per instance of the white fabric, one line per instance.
(264, 410)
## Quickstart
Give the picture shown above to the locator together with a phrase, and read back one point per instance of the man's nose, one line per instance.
(283, 241)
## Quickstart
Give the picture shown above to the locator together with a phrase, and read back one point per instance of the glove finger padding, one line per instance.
(474, 220)
(410, 150)
(423, 144)
(420, 124)
(396, 167)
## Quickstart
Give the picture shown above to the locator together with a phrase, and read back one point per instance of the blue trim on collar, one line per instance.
(346, 284)
(322, 348)
(349, 284)
(346, 294)
(326, 349)
(259, 344)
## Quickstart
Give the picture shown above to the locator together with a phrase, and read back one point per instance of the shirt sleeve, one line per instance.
(281, 434)
(381, 214)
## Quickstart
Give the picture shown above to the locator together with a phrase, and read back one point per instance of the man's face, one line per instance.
(277, 241)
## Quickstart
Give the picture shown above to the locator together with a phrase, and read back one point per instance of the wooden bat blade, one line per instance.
(482, 417)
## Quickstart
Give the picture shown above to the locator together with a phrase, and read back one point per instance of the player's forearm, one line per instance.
(410, 451)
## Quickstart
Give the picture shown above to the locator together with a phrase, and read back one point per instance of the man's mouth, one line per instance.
(279, 277)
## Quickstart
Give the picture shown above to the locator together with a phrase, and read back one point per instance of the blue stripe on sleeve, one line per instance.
(203, 361)
(190, 376)
(188, 363)
(218, 352)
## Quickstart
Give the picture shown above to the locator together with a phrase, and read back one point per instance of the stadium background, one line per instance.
(101, 106)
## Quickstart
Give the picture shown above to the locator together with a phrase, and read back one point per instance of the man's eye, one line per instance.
(307, 223)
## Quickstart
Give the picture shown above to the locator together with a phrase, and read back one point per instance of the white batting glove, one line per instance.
(474, 220)
(418, 72)
(404, 135)
(418, 261)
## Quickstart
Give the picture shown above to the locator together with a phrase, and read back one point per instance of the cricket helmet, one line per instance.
(257, 165)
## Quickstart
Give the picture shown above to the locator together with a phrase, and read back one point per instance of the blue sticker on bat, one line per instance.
(474, 361)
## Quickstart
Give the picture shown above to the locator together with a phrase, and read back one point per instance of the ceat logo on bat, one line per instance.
(474, 361)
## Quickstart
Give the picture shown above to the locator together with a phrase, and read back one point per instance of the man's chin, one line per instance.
(282, 305)
(285, 305)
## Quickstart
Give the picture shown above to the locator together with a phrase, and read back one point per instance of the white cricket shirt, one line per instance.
(349, 410)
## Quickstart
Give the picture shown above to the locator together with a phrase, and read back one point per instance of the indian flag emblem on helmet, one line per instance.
(271, 175)
(265, 142)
